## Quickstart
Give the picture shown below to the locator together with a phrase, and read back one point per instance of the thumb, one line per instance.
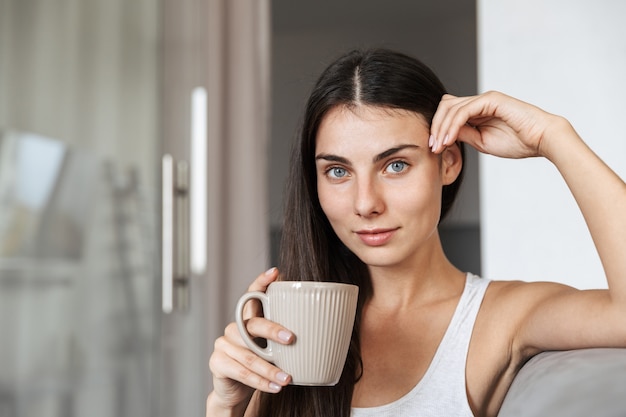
(470, 135)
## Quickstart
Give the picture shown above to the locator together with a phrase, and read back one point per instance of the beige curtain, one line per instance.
(224, 46)
(239, 114)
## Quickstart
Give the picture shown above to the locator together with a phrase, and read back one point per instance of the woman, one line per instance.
(378, 165)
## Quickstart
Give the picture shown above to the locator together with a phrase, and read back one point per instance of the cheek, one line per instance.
(332, 203)
(423, 202)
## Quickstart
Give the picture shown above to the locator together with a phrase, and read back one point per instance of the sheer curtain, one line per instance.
(78, 144)
(109, 82)
(84, 72)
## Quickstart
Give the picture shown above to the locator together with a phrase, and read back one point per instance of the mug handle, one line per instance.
(265, 353)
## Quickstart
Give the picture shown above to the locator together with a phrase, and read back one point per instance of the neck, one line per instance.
(429, 278)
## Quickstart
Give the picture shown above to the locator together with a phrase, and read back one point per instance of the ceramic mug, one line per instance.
(321, 316)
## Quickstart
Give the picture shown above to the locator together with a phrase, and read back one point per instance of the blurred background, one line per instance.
(143, 153)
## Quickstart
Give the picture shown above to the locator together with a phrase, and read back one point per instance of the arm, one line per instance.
(601, 196)
(502, 126)
(237, 371)
(216, 408)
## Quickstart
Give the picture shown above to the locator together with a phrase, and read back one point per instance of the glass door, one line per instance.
(124, 126)
(80, 198)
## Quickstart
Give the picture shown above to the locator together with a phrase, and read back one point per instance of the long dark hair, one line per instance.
(310, 249)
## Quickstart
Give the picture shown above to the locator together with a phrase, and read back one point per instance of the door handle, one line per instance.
(175, 240)
(184, 197)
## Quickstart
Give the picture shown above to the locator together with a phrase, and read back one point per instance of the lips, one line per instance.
(375, 237)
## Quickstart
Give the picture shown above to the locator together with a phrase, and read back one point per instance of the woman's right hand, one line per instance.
(237, 371)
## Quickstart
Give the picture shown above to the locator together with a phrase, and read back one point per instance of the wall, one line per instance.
(568, 57)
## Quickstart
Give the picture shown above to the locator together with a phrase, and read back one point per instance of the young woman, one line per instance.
(378, 164)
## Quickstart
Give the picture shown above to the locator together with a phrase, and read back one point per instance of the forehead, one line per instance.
(368, 125)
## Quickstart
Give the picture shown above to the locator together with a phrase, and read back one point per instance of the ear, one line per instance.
(451, 164)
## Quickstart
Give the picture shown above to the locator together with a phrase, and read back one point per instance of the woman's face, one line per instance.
(379, 184)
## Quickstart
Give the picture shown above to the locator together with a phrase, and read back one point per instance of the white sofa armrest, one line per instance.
(576, 383)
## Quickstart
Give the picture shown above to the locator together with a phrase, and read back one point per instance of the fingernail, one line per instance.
(431, 141)
(270, 271)
(282, 377)
(284, 335)
(445, 139)
(274, 387)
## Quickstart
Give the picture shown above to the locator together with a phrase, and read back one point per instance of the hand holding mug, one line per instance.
(237, 371)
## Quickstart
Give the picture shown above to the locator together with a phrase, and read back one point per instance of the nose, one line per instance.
(369, 200)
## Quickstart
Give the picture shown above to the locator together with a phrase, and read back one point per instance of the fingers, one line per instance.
(264, 280)
(253, 308)
(236, 367)
(260, 327)
(451, 119)
(233, 360)
(257, 326)
(470, 135)
(492, 122)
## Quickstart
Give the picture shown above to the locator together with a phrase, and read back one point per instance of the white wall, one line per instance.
(569, 57)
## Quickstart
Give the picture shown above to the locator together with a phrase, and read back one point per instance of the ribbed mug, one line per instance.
(321, 316)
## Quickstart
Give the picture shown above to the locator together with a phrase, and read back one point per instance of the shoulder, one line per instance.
(539, 316)
(519, 298)
(509, 307)
(496, 352)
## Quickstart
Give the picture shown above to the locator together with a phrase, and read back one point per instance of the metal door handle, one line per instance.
(184, 250)
(175, 235)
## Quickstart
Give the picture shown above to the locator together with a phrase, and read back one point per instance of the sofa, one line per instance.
(576, 383)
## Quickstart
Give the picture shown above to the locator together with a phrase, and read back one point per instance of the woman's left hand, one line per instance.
(493, 123)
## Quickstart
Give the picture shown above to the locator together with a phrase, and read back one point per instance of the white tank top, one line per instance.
(442, 391)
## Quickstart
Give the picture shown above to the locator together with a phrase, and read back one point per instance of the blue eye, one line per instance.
(337, 172)
(396, 167)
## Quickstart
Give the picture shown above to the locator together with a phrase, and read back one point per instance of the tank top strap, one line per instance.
(447, 370)
(442, 391)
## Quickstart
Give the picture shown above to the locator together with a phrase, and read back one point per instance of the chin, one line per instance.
(379, 260)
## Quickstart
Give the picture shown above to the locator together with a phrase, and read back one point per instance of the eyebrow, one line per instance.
(377, 158)
(392, 151)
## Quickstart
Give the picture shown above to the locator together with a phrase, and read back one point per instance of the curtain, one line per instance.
(224, 46)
